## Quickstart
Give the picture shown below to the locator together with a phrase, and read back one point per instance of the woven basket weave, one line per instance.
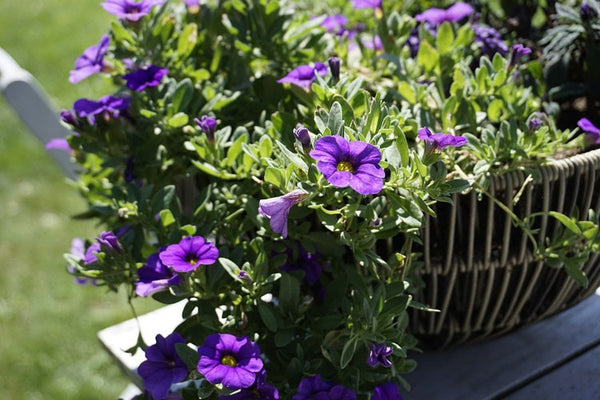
(478, 267)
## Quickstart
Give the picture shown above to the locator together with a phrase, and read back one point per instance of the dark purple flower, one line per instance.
(335, 23)
(354, 164)
(231, 361)
(413, 42)
(301, 133)
(68, 117)
(91, 61)
(438, 16)
(130, 10)
(518, 51)
(387, 391)
(334, 67)
(154, 276)
(359, 4)
(587, 12)
(145, 77)
(592, 133)
(315, 388)
(108, 105)
(58, 144)
(534, 124)
(106, 242)
(189, 254)
(489, 40)
(304, 75)
(440, 140)
(162, 367)
(276, 209)
(378, 354)
(259, 391)
(310, 263)
(208, 125)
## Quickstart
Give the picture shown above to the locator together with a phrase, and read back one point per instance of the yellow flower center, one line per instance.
(345, 166)
(192, 261)
(229, 360)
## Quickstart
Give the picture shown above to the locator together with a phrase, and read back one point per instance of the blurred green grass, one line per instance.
(48, 325)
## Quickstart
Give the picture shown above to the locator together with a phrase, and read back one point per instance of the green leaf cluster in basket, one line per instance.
(272, 164)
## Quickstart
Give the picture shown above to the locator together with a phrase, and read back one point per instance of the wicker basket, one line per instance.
(478, 267)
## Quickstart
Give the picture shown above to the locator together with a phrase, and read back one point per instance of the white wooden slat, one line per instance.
(489, 369)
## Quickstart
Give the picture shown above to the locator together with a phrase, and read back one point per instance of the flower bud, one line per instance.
(301, 133)
(334, 67)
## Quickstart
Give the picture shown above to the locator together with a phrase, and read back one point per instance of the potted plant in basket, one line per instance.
(302, 182)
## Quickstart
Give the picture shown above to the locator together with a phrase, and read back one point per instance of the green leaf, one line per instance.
(406, 91)
(427, 57)
(166, 217)
(120, 34)
(566, 221)
(230, 267)
(274, 176)
(183, 94)
(495, 109)
(445, 37)
(178, 120)
(336, 122)
(348, 352)
(289, 293)
(187, 41)
(267, 315)
(573, 268)
(402, 145)
(189, 356)
(294, 158)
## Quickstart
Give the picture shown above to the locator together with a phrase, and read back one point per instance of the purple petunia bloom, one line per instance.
(317, 389)
(58, 144)
(154, 276)
(354, 164)
(489, 40)
(438, 16)
(301, 133)
(208, 125)
(91, 61)
(130, 10)
(107, 241)
(592, 133)
(276, 209)
(304, 75)
(145, 77)
(229, 360)
(378, 353)
(518, 51)
(387, 391)
(440, 140)
(259, 391)
(162, 367)
(534, 123)
(359, 4)
(107, 105)
(189, 254)
(335, 24)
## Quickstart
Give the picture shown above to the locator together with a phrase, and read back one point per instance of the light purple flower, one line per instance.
(387, 391)
(91, 61)
(519, 51)
(154, 276)
(78, 251)
(534, 123)
(489, 40)
(591, 132)
(373, 43)
(162, 367)
(208, 125)
(130, 10)
(378, 353)
(192, 5)
(58, 144)
(335, 23)
(360, 4)
(109, 105)
(304, 75)
(276, 209)
(189, 254)
(354, 164)
(438, 16)
(231, 361)
(149, 76)
(440, 140)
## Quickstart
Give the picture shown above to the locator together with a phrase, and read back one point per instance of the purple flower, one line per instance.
(359, 4)
(130, 10)
(310, 263)
(304, 75)
(91, 61)
(78, 251)
(301, 133)
(145, 77)
(58, 144)
(587, 12)
(354, 164)
(440, 140)
(373, 43)
(387, 391)
(489, 40)
(154, 276)
(591, 132)
(276, 209)
(192, 5)
(231, 361)
(68, 117)
(189, 254)
(335, 24)
(259, 391)
(107, 242)
(534, 123)
(518, 51)
(413, 42)
(437, 16)
(108, 105)
(208, 125)
(317, 389)
(162, 367)
(334, 67)
(378, 354)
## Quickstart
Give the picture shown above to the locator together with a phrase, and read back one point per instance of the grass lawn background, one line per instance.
(48, 325)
